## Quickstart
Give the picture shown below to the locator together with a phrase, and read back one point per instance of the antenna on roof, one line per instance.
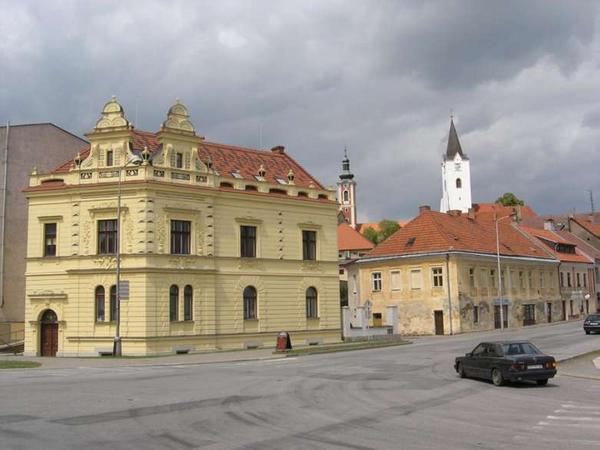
(591, 200)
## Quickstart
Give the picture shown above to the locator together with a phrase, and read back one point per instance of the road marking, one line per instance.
(583, 419)
(570, 410)
(591, 408)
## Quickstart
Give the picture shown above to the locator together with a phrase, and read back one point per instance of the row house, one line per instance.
(441, 270)
(216, 246)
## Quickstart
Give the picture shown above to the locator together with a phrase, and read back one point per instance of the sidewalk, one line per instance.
(189, 359)
(584, 366)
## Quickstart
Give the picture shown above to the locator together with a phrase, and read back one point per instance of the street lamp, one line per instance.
(136, 161)
(499, 272)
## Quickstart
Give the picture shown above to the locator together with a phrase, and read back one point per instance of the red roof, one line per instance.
(487, 210)
(586, 222)
(362, 227)
(350, 239)
(564, 238)
(432, 232)
(228, 158)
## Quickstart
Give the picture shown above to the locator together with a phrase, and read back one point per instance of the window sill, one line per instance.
(313, 319)
(250, 320)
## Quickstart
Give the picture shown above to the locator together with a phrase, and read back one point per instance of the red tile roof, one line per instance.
(487, 210)
(585, 247)
(586, 222)
(228, 158)
(350, 239)
(362, 227)
(433, 232)
(559, 237)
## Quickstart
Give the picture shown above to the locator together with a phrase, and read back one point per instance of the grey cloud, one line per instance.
(379, 77)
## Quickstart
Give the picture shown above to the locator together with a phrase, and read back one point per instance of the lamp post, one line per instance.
(136, 161)
(499, 272)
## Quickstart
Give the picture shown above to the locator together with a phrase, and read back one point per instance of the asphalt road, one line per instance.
(405, 397)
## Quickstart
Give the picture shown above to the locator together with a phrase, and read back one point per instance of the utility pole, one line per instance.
(591, 200)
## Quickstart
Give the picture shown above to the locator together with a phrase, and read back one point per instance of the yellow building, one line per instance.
(220, 246)
(441, 270)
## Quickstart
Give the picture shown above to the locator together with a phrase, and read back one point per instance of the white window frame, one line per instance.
(416, 270)
(437, 276)
(395, 287)
(376, 281)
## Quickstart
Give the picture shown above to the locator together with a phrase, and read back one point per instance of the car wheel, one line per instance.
(542, 382)
(461, 371)
(587, 332)
(497, 377)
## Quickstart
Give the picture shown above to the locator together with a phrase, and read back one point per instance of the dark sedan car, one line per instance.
(591, 323)
(507, 361)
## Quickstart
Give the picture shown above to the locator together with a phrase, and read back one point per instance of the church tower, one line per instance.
(456, 176)
(346, 193)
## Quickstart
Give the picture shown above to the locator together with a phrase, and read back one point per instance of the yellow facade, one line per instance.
(456, 286)
(162, 189)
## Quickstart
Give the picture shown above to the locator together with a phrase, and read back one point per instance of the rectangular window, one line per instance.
(562, 279)
(309, 245)
(438, 279)
(530, 279)
(493, 278)
(179, 160)
(395, 278)
(472, 277)
(584, 280)
(180, 237)
(503, 280)
(578, 279)
(107, 237)
(541, 279)
(521, 279)
(476, 314)
(376, 281)
(568, 279)
(415, 279)
(247, 241)
(49, 239)
(109, 158)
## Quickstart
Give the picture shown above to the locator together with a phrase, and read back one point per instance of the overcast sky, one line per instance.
(380, 77)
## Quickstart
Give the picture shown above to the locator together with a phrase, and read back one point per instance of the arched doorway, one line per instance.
(48, 333)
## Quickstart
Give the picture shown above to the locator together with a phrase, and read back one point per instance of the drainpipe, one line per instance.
(3, 214)
(448, 287)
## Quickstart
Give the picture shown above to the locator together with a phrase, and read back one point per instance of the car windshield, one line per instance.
(594, 317)
(520, 348)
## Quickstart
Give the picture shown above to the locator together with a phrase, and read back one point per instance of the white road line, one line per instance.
(590, 408)
(581, 419)
(571, 411)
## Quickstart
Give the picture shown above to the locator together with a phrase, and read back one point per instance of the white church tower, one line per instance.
(456, 176)
(346, 192)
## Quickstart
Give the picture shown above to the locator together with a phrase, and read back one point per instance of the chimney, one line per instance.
(424, 208)
(454, 212)
(518, 214)
(549, 225)
(471, 214)
(278, 149)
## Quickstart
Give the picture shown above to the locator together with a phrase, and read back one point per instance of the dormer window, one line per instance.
(179, 160)
(261, 174)
(458, 183)
(109, 158)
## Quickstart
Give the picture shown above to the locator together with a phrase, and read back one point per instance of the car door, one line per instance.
(490, 359)
(473, 366)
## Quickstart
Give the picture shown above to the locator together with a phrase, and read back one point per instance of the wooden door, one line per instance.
(549, 312)
(497, 316)
(439, 322)
(49, 339)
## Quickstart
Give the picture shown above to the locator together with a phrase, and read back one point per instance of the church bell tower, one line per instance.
(346, 192)
(456, 176)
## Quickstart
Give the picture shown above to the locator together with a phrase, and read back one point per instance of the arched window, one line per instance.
(188, 302)
(250, 303)
(346, 197)
(311, 303)
(458, 183)
(49, 316)
(99, 300)
(113, 303)
(174, 303)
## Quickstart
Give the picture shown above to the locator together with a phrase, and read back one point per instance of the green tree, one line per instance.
(509, 199)
(387, 228)
(371, 235)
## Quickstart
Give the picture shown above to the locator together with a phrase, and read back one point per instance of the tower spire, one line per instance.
(453, 142)
(346, 174)
(347, 192)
